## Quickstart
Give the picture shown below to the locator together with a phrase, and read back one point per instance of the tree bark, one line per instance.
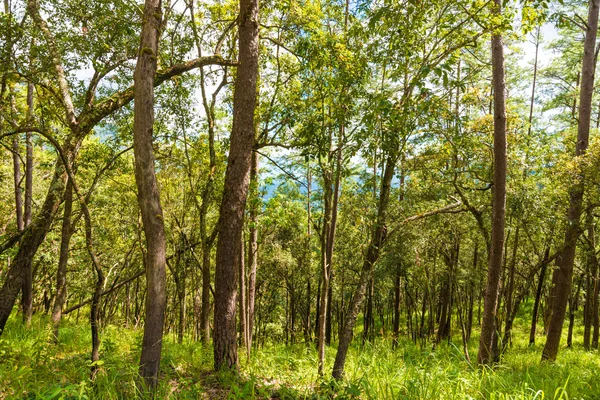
(538, 297)
(61, 273)
(253, 247)
(591, 302)
(30, 242)
(235, 192)
(242, 294)
(563, 275)
(29, 159)
(488, 326)
(148, 193)
(573, 305)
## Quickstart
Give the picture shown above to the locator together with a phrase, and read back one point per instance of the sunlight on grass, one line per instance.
(34, 368)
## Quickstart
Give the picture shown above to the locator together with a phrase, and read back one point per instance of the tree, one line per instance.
(562, 276)
(490, 308)
(237, 179)
(148, 192)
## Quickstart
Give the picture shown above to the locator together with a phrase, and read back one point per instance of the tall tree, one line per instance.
(490, 308)
(148, 192)
(237, 178)
(562, 276)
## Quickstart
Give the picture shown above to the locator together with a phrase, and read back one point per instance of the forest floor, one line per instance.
(33, 368)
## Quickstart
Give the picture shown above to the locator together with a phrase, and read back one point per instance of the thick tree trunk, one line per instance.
(235, 192)
(490, 307)
(377, 240)
(61, 273)
(148, 193)
(563, 276)
(30, 242)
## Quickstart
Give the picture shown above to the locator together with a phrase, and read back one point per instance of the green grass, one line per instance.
(34, 368)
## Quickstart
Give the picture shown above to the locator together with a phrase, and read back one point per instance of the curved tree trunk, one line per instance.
(30, 242)
(377, 240)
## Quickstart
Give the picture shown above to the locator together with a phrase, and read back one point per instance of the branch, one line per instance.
(33, 8)
(11, 241)
(444, 210)
(449, 209)
(289, 174)
(278, 43)
(112, 289)
(109, 105)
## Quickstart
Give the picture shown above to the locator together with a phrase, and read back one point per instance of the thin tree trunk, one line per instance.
(28, 281)
(17, 182)
(507, 340)
(308, 254)
(591, 304)
(235, 192)
(573, 305)
(253, 247)
(377, 239)
(538, 297)
(29, 158)
(535, 70)
(563, 276)
(61, 273)
(242, 298)
(148, 193)
(490, 308)
(397, 282)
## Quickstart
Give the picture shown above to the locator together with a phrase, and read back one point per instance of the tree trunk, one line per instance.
(573, 305)
(591, 304)
(30, 242)
(253, 247)
(148, 193)
(538, 297)
(377, 240)
(29, 158)
(508, 306)
(242, 298)
(563, 276)
(490, 307)
(235, 191)
(205, 312)
(397, 282)
(61, 273)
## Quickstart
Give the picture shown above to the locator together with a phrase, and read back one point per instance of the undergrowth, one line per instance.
(32, 367)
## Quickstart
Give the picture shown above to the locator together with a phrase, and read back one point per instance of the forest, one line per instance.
(299, 199)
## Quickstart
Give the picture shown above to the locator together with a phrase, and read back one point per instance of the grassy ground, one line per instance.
(32, 367)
